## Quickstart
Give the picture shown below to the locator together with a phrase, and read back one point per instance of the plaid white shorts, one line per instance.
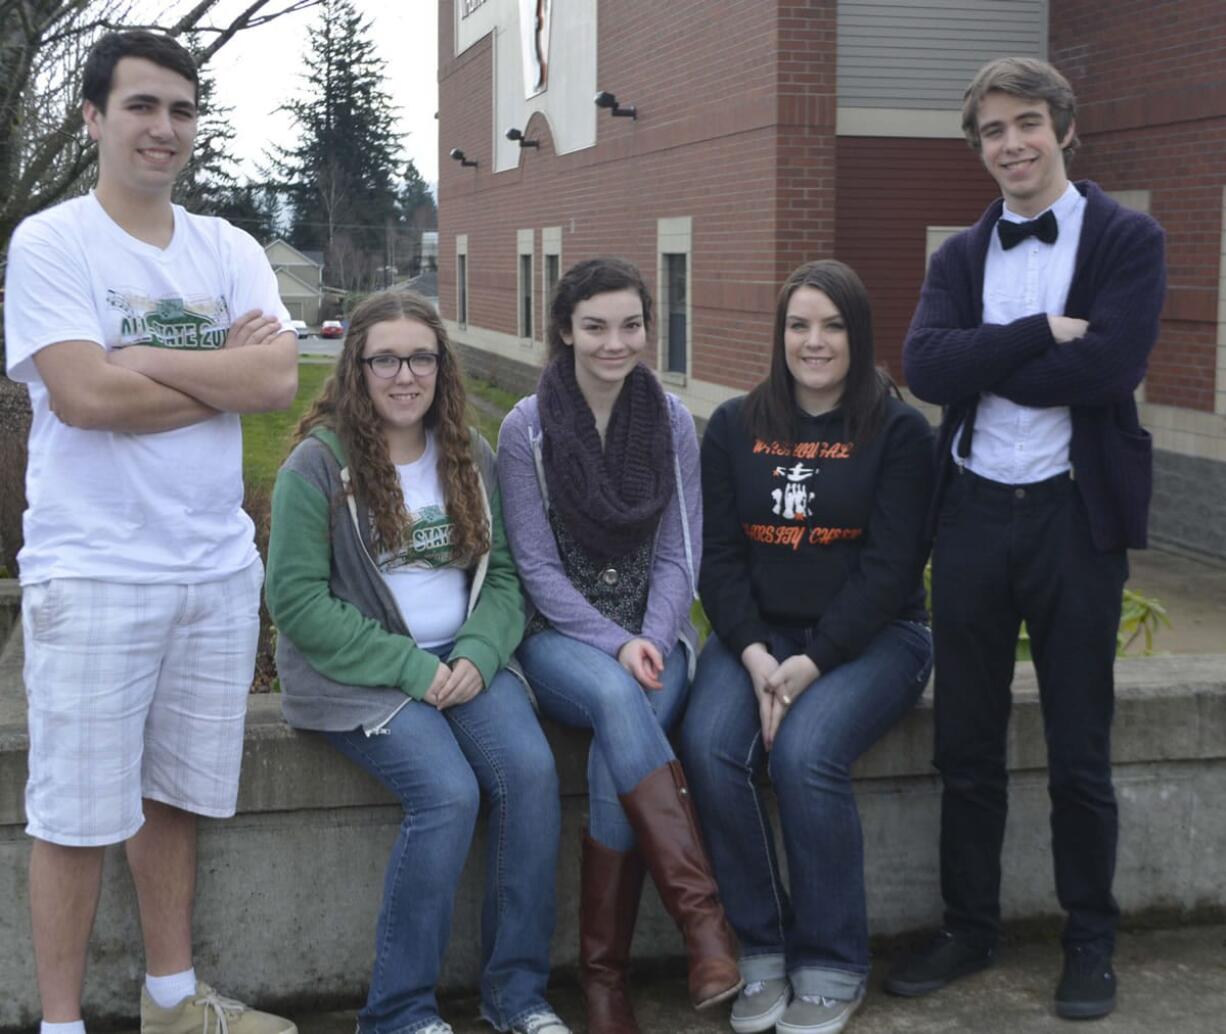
(135, 691)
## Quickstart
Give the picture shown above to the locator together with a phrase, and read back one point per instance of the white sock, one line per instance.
(72, 1027)
(169, 991)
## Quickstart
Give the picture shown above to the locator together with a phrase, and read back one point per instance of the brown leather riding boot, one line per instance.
(610, 887)
(662, 814)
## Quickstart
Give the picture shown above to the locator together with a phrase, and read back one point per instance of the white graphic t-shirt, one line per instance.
(163, 507)
(431, 593)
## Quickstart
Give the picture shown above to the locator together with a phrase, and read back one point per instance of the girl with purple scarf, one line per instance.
(599, 476)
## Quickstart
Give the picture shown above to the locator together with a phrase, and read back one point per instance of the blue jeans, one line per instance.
(439, 764)
(817, 936)
(579, 685)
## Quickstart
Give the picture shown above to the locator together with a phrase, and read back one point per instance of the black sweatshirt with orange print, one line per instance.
(818, 534)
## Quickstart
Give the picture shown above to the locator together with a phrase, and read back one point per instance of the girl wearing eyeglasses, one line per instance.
(599, 473)
(397, 606)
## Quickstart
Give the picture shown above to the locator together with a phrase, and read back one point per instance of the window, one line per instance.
(525, 250)
(934, 237)
(551, 250)
(525, 296)
(676, 333)
(674, 245)
(552, 275)
(461, 279)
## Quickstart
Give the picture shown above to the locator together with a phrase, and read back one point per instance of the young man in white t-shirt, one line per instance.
(142, 332)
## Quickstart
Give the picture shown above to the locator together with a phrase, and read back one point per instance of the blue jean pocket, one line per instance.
(918, 636)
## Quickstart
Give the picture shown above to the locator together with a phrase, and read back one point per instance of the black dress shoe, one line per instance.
(946, 957)
(1087, 983)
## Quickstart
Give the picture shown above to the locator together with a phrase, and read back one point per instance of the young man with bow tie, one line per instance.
(1033, 330)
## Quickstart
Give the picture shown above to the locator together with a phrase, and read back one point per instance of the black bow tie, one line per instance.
(1012, 234)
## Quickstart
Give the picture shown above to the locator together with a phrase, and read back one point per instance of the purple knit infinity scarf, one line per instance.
(610, 500)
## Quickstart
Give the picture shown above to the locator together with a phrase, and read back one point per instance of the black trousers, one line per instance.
(1006, 554)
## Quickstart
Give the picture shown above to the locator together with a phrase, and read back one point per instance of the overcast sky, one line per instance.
(258, 70)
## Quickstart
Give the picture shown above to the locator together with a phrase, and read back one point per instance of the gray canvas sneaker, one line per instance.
(544, 1022)
(759, 1005)
(816, 1015)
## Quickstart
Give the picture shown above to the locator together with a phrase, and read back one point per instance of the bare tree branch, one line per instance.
(247, 20)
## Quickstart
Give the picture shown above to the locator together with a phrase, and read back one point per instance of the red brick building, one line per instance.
(770, 132)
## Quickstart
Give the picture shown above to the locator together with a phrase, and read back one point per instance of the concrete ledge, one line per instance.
(289, 888)
(10, 607)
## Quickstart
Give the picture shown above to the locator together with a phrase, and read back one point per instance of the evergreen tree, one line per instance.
(417, 205)
(417, 212)
(255, 207)
(205, 183)
(208, 186)
(340, 175)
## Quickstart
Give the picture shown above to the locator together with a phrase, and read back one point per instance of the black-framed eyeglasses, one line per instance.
(387, 366)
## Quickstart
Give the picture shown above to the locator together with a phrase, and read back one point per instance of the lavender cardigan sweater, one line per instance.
(675, 561)
(950, 355)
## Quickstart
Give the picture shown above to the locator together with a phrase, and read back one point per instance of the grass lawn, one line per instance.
(487, 405)
(266, 436)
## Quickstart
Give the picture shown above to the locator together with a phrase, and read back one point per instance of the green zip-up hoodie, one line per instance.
(345, 656)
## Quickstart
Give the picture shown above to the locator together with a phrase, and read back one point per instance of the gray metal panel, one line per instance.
(922, 53)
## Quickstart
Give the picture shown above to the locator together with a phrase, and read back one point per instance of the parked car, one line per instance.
(332, 328)
(300, 328)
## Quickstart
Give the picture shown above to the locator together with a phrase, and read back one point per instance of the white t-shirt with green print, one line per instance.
(432, 593)
(148, 508)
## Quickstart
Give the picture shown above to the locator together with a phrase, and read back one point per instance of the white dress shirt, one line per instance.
(1016, 444)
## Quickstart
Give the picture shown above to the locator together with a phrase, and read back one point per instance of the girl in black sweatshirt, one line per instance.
(815, 487)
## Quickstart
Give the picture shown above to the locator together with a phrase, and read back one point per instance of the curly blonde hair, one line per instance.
(345, 407)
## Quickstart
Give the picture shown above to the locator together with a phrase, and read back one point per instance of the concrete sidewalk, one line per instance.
(1194, 595)
(1172, 982)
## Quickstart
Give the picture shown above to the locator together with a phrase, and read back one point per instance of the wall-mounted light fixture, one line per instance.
(463, 159)
(518, 136)
(604, 99)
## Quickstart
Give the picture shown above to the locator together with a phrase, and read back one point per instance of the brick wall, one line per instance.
(806, 88)
(889, 191)
(1151, 86)
(735, 130)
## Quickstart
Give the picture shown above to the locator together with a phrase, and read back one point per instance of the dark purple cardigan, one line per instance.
(1119, 281)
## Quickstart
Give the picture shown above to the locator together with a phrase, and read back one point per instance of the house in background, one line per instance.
(299, 279)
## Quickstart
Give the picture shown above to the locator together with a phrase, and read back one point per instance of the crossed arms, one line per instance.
(1041, 360)
(143, 389)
